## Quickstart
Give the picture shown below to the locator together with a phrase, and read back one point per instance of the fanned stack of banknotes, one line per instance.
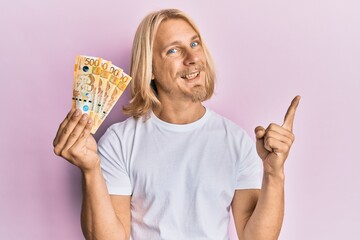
(97, 86)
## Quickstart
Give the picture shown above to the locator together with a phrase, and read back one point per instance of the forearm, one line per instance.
(267, 218)
(98, 218)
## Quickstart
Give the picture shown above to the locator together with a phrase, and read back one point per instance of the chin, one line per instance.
(198, 93)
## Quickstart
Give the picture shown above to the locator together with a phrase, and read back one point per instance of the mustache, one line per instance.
(197, 68)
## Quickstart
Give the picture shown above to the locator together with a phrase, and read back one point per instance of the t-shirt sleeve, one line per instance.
(113, 164)
(249, 167)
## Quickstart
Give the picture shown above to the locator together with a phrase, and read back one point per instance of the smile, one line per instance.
(190, 76)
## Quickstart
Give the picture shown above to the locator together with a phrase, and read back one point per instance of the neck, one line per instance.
(180, 113)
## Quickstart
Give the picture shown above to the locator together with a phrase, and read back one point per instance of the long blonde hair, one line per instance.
(143, 95)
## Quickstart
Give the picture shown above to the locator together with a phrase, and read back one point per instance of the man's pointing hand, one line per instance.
(273, 143)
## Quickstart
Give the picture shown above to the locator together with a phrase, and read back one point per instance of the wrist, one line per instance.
(89, 173)
(274, 176)
(90, 164)
(274, 172)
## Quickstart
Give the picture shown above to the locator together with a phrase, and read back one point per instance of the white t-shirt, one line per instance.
(181, 178)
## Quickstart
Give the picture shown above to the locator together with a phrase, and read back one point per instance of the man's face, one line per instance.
(179, 62)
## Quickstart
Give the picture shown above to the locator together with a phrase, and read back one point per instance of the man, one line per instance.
(174, 168)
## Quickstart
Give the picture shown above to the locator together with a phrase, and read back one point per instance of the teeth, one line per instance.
(191, 76)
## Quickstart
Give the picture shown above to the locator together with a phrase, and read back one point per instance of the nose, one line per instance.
(191, 57)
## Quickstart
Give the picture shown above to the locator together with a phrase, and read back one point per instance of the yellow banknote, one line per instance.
(101, 85)
(84, 82)
(118, 83)
(97, 86)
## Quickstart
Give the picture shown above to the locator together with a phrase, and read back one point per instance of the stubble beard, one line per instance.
(198, 94)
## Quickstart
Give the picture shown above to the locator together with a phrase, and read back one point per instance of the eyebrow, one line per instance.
(178, 42)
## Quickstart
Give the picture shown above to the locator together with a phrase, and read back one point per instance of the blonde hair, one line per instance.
(143, 94)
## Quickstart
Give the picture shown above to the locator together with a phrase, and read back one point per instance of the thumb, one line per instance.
(259, 132)
(261, 150)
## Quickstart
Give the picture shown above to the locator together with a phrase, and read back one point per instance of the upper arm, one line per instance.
(121, 204)
(243, 205)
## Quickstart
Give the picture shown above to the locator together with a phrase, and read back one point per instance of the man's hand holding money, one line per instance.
(74, 142)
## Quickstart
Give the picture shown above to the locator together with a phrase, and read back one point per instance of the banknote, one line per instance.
(118, 80)
(84, 82)
(101, 85)
(97, 86)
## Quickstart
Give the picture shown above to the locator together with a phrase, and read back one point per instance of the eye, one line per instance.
(171, 51)
(194, 44)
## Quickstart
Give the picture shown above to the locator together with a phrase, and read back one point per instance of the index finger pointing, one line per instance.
(290, 114)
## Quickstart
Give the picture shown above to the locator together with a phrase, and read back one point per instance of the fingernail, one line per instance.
(84, 117)
(77, 112)
(90, 121)
(70, 113)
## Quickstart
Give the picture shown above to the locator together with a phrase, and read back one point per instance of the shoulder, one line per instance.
(218, 121)
(234, 134)
(121, 127)
(120, 130)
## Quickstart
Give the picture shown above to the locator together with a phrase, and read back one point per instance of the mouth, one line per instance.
(190, 76)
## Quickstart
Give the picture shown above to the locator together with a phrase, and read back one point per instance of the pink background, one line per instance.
(266, 52)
